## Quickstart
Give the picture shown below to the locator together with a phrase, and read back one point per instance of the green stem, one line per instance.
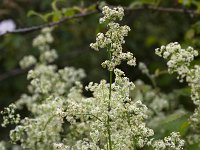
(109, 133)
(48, 121)
(109, 107)
(153, 81)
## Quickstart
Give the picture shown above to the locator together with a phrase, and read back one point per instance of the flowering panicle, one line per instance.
(63, 118)
(9, 116)
(179, 61)
(113, 39)
(111, 14)
(45, 100)
(171, 142)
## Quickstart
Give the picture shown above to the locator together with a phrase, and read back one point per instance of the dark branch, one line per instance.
(162, 9)
(52, 24)
(153, 8)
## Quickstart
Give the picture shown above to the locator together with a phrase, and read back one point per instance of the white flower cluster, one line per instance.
(27, 62)
(46, 100)
(45, 79)
(42, 42)
(193, 138)
(43, 39)
(62, 118)
(179, 61)
(43, 129)
(156, 102)
(9, 116)
(2, 145)
(143, 68)
(126, 116)
(113, 39)
(60, 146)
(111, 14)
(171, 142)
(7, 26)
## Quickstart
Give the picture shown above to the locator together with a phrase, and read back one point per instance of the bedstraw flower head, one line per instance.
(112, 14)
(179, 61)
(113, 39)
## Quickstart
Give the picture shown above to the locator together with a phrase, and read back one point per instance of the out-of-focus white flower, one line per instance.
(6, 26)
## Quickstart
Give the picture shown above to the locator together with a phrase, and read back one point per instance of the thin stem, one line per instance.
(158, 73)
(48, 121)
(110, 88)
(153, 81)
(109, 133)
(109, 102)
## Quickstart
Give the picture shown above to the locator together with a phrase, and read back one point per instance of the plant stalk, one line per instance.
(109, 105)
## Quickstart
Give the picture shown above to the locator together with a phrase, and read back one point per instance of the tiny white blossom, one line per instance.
(6, 26)
(27, 61)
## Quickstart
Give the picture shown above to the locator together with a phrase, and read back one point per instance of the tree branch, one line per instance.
(51, 24)
(163, 9)
(56, 23)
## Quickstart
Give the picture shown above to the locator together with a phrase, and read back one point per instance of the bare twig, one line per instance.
(52, 24)
(56, 23)
(163, 9)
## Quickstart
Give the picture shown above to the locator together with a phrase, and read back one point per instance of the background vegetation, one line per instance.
(168, 21)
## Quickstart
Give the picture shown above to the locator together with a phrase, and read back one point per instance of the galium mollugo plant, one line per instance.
(47, 89)
(63, 118)
(179, 61)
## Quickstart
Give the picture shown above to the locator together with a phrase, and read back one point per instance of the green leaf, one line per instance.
(184, 127)
(190, 34)
(185, 2)
(68, 11)
(46, 16)
(56, 16)
(183, 91)
(92, 7)
(54, 5)
(33, 13)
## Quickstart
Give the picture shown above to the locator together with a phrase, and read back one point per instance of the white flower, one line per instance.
(113, 39)
(179, 61)
(6, 26)
(27, 61)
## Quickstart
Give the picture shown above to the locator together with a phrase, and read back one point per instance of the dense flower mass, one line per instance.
(180, 62)
(9, 115)
(178, 59)
(27, 61)
(47, 87)
(62, 118)
(111, 14)
(113, 39)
